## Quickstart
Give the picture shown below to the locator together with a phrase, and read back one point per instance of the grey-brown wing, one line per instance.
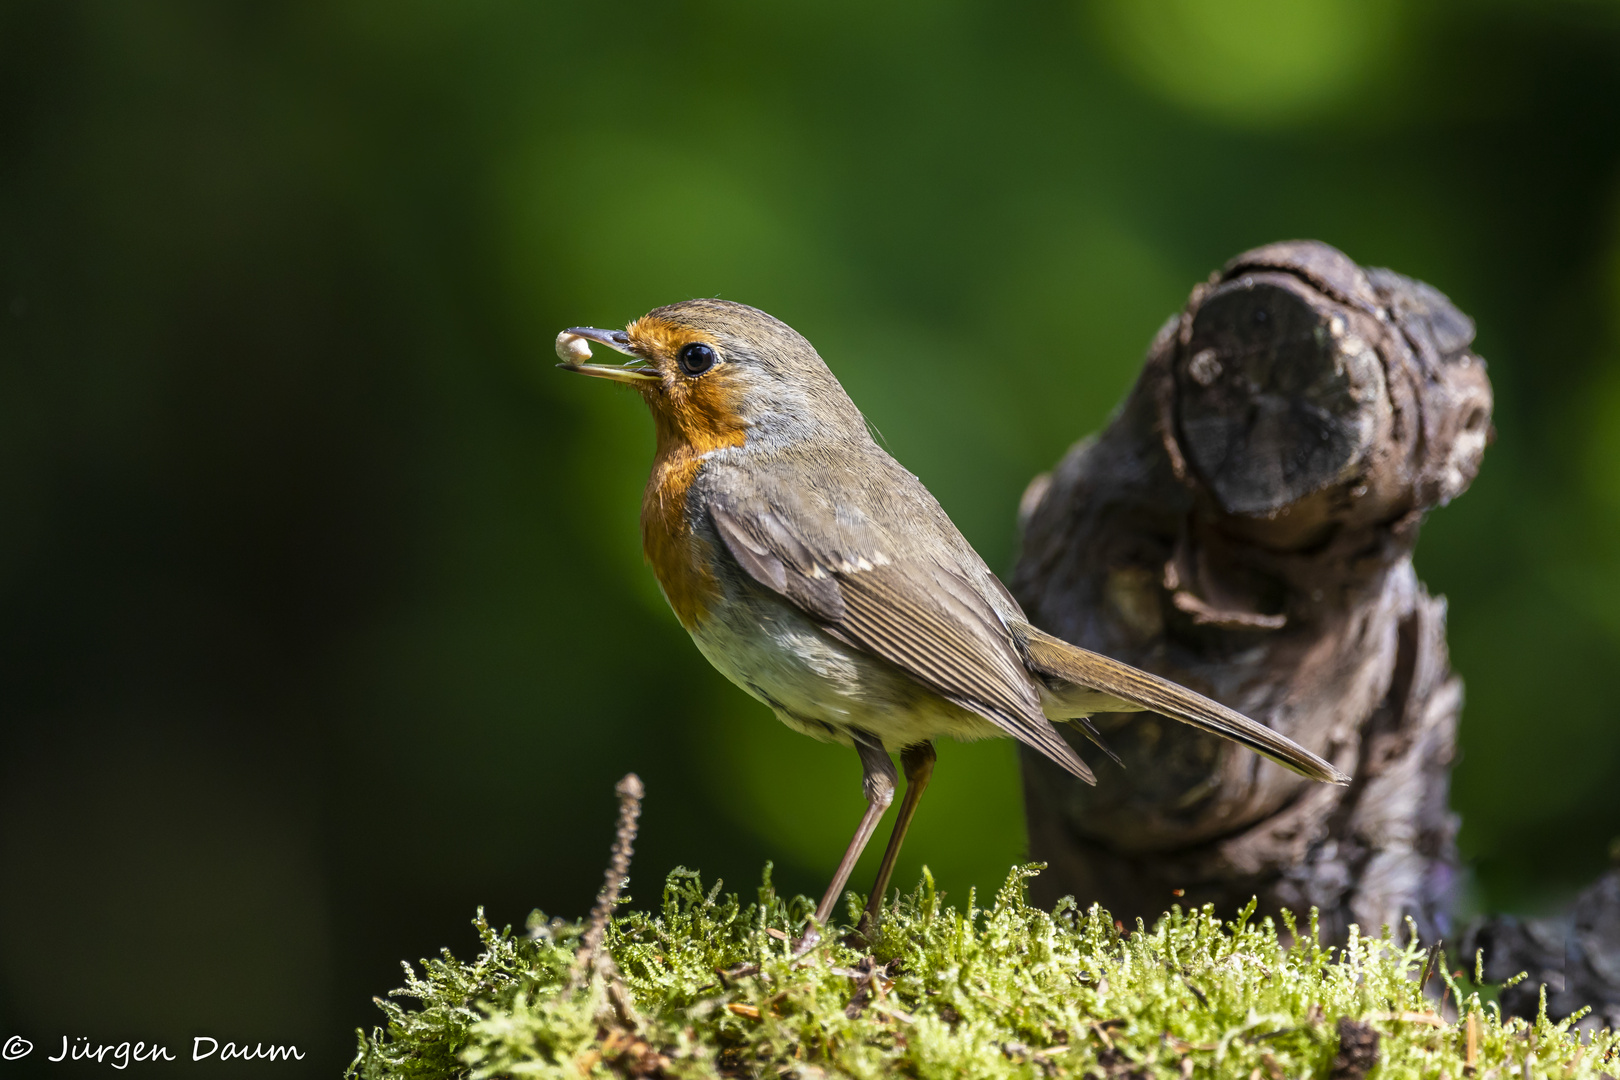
(925, 618)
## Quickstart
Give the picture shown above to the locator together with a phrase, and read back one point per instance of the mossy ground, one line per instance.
(1007, 991)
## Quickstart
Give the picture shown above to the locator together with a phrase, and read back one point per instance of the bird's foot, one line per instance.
(863, 937)
(810, 939)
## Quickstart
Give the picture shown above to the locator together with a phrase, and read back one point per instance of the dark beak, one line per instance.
(573, 349)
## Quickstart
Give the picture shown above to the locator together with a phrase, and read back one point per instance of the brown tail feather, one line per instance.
(1055, 657)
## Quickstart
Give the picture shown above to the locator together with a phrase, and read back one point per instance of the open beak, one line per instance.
(573, 348)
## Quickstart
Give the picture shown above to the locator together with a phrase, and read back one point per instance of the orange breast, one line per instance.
(676, 556)
(691, 421)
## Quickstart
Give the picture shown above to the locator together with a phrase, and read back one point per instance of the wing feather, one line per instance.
(762, 545)
(924, 618)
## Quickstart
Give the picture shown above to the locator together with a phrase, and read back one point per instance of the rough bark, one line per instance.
(1575, 955)
(1245, 526)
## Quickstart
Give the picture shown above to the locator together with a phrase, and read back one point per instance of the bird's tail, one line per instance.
(1137, 689)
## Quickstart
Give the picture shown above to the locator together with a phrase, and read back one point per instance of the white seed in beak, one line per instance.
(572, 349)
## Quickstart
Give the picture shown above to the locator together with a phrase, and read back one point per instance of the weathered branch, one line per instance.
(1245, 526)
(1575, 955)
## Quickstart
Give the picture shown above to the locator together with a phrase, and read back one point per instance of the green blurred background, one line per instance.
(322, 611)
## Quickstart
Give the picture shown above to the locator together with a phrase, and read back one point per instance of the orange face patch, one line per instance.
(659, 339)
(692, 416)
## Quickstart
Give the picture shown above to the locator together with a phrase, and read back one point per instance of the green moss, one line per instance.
(1008, 991)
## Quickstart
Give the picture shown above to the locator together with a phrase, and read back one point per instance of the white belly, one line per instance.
(821, 687)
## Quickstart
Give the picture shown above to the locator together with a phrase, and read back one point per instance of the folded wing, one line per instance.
(934, 622)
(924, 618)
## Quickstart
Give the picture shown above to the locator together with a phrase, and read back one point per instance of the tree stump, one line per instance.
(1245, 526)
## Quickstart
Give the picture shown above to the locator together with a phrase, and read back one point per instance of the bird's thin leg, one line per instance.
(918, 762)
(878, 778)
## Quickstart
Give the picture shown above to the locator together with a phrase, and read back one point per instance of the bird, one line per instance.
(820, 576)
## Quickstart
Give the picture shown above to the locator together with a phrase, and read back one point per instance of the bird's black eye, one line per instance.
(696, 358)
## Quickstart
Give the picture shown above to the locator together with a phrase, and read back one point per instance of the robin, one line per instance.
(822, 578)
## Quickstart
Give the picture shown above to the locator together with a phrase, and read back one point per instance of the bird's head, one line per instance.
(717, 373)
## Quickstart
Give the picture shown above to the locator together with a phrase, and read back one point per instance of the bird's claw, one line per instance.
(809, 940)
